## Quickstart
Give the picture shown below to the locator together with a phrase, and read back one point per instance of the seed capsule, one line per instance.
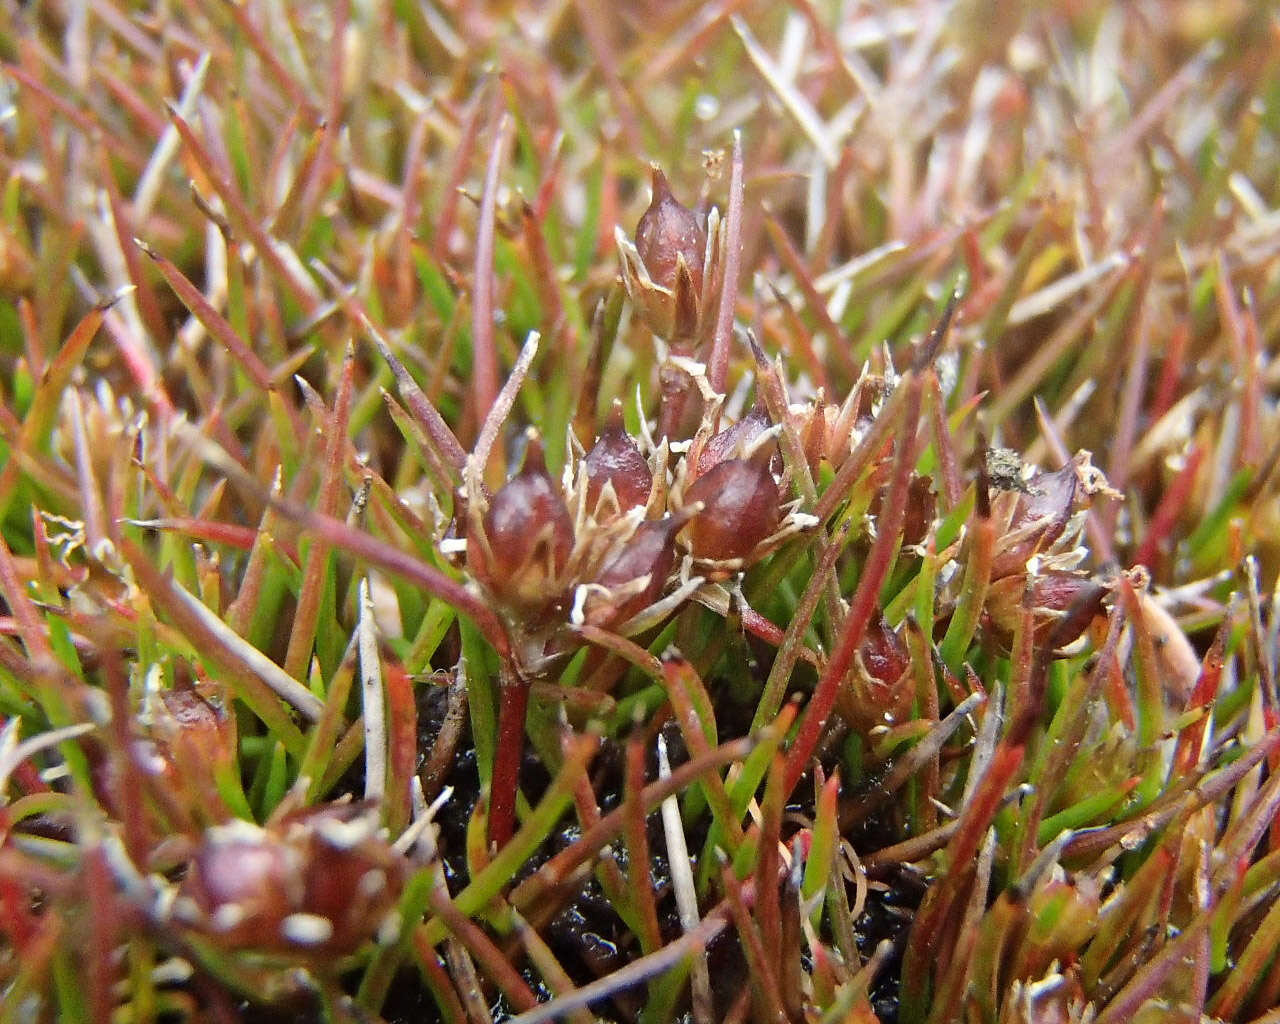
(884, 655)
(616, 459)
(528, 533)
(735, 439)
(651, 552)
(669, 232)
(239, 882)
(922, 503)
(740, 509)
(881, 688)
(672, 270)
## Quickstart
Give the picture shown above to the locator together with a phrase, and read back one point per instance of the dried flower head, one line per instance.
(829, 431)
(321, 882)
(1038, 517)
(196, 738)
(197, 732)
(1063, 605)
(1032, 516)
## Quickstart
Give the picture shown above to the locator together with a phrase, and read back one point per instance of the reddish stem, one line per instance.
(104, 928)
(216, 532)
(763, 975)
(512, 705)
(492, 960)
(799, 269)
(402, 743)
(547, 878)
(30, 627)
(322, 171)
(241, 216)
(595, 18)
(535, 244)
(463, 152)
(948, 469)
(437, 979)
(275, 68)
(768, 862)
(128, 785)
(307, 615)
(1187, 752)
(1171, 371)
(961, 851)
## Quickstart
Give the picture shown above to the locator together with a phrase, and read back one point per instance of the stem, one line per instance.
(512, 705)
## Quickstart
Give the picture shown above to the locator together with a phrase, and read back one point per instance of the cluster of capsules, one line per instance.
(632, 529)
(636, 526)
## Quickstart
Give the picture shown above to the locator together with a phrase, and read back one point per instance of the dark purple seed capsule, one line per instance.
(734, 438)
(650, 552)
(615, 458)
(667, 232)
(530, 536)
(884, 655)
(238, 884)
(740, 509)
(922, 504)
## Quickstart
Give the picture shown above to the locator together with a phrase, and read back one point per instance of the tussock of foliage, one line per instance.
(431, 591)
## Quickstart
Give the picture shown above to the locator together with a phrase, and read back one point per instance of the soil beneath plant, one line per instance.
(586, 935)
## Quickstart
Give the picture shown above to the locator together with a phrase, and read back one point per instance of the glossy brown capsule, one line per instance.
(740, 509)
(667, 233)
(884, 655)
(735, 439)
(651, 553)
(528, 536)
(239, 883)
(881, 689)
(672, 269)
(615, 458)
